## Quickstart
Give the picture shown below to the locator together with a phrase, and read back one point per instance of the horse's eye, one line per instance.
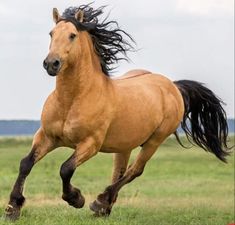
(72, 36)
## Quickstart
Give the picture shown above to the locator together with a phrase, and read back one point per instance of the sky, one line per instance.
(182, 39)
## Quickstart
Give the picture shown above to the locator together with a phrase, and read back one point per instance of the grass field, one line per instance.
(179, 187)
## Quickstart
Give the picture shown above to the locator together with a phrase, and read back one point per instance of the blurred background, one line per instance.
(182, 39)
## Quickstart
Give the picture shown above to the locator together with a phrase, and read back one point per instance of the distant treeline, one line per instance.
(18, 127)
(29, 127)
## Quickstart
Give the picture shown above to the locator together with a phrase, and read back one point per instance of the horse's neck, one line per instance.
(76, 84)
(85, 78)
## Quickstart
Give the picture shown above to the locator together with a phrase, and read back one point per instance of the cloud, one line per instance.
(206, 7)
(4, 11)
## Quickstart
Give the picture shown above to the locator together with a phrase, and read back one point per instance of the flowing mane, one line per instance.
(107, 37)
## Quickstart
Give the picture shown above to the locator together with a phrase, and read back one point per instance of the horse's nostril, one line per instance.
(56, 63)
(45, 64)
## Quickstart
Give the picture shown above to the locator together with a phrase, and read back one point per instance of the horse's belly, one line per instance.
(127, 134)
(117, 142)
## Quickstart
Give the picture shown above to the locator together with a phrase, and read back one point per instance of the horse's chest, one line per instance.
(71, 125)
(62, 124)
(68, 131)
(72, 128)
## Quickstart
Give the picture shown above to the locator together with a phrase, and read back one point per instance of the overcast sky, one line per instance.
(183, 39)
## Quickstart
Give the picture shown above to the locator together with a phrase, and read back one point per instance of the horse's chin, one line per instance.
(52, 74)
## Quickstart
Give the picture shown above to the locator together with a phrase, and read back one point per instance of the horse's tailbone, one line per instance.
(204, 120)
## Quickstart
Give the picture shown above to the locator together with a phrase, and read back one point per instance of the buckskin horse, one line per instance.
(90, 112)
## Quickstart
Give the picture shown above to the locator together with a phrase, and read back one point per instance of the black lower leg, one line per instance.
(16, 198)
(104, 202)
(102, 206)
(71, 194)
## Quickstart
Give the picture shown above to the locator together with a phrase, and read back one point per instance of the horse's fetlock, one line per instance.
(17, 200)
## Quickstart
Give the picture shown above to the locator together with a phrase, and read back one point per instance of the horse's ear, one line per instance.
(79, 15)
(56, 15)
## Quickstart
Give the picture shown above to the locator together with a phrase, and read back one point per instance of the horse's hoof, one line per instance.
(12, 213)
(74, 198)
(100, 209)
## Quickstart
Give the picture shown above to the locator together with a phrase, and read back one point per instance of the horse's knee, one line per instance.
(66, 170)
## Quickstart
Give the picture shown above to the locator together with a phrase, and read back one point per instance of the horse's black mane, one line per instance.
(106, 35)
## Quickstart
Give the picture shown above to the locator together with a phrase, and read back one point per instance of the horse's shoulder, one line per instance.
(132, 73)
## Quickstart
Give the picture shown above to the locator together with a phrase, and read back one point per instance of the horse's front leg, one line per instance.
(40, 147)
(84, 151)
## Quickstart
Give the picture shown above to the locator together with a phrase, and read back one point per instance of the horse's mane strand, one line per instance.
(107, 37)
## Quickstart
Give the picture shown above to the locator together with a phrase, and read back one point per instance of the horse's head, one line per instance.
(101, 39)
(64, 44)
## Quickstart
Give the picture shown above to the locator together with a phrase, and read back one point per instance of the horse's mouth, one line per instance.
(52, 73)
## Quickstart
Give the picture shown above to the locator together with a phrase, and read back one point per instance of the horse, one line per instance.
(90, 112)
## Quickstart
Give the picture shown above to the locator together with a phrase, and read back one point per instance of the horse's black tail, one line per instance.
(207, 125)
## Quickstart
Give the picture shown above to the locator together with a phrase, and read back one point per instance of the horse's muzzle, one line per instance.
(52, 66)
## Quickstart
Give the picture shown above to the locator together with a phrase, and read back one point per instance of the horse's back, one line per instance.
(132, 74)
(141, 76)
(146, 80)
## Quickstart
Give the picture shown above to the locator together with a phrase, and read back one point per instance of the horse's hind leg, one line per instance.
(120, 162)
(104, 202)
(41, 146)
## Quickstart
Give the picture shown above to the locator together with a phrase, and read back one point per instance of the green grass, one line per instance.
(179, 186)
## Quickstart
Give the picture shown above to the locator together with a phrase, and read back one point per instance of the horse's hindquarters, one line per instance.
(143, 105)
